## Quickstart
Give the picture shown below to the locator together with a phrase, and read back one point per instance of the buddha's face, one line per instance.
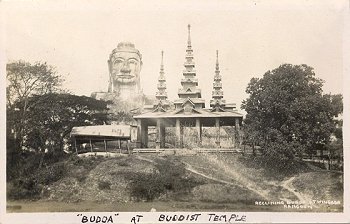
(125, 67)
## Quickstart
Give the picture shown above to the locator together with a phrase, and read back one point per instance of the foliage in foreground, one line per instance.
(29, 180)
(31, 185)
(169, 177)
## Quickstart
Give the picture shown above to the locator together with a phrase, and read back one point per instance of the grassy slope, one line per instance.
(229, 183)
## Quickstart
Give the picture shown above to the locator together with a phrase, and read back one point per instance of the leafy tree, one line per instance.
(287, 106)
(51, 118)
(54, 115)
(23, 81)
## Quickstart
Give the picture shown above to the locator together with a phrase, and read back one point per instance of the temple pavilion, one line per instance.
(189, 109)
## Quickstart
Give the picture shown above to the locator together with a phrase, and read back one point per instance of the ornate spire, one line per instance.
(162, 104)
(189, 36)
(162, 66)
(161, 93)
(189, 82)
(217, 102)
(217, 61)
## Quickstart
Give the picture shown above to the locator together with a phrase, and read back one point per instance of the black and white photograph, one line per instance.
(174, 111)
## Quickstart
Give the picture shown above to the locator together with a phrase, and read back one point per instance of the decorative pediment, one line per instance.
(189, 111)
(188, 107)
(188, 100)
(217, 108)
(159, 107)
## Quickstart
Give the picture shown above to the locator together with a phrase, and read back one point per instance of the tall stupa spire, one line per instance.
(162, 65)
(217, 102)
(189, 82)
(162, 103)
(161, 93)
(189, 36)
(217, 61)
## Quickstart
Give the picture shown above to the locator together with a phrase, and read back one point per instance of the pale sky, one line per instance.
(252, 37)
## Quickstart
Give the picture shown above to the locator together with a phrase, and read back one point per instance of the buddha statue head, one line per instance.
(124, 69)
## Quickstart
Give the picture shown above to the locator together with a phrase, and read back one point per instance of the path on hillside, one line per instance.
(226, 169)
(191, 169)
(244, 182)
(287, 184)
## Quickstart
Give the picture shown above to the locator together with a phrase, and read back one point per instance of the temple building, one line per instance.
(189, 109)
(159, 122)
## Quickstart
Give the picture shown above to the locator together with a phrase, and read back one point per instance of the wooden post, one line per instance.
(237, 135)
(90, 145)
(105, 143)
(75, 145)
(217, 125)
(144, 134)
(179, 134)
(158, 135)
(199, 132)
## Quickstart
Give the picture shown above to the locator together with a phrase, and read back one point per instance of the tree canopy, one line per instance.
(51, 119)
(23, 81)
(287, 105)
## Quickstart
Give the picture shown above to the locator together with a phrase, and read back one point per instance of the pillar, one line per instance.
(143, 134)
(90, 145)
(199, 132)
(217, 125)
(160, 141)
(75, 145)
(138, 134)
(237, 135)
(162, 135)
(179, 134)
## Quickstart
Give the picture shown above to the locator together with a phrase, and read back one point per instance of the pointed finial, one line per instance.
(217, 60)
(217, 57)
(189, 35)
(161, 64)
(162, 57)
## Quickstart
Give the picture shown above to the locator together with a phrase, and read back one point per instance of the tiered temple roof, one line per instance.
(217, 103)
(189, 91)
(162, 103)
(190, 104)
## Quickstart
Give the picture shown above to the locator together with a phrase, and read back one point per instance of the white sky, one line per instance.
(252, 37)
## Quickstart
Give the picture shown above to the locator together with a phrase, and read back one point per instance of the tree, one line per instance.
(54, 115)
(23, 81)
(287, 106)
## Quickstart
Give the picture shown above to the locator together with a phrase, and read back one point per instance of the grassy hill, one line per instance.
(182, 183)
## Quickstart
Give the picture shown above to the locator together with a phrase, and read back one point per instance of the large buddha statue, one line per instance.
(124, 71)
(124, 89)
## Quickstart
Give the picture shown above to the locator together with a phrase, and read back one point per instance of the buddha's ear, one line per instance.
(109, 64)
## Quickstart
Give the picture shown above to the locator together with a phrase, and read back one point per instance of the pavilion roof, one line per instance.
(121, 131)
(196, 113)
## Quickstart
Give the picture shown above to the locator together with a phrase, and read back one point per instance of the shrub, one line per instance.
(123, 163)
(104, 185)
(146, 186)
(30, 186)
(50, 174)
(88, 163)
(24, 188)
(280, 157)
(168, 176)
